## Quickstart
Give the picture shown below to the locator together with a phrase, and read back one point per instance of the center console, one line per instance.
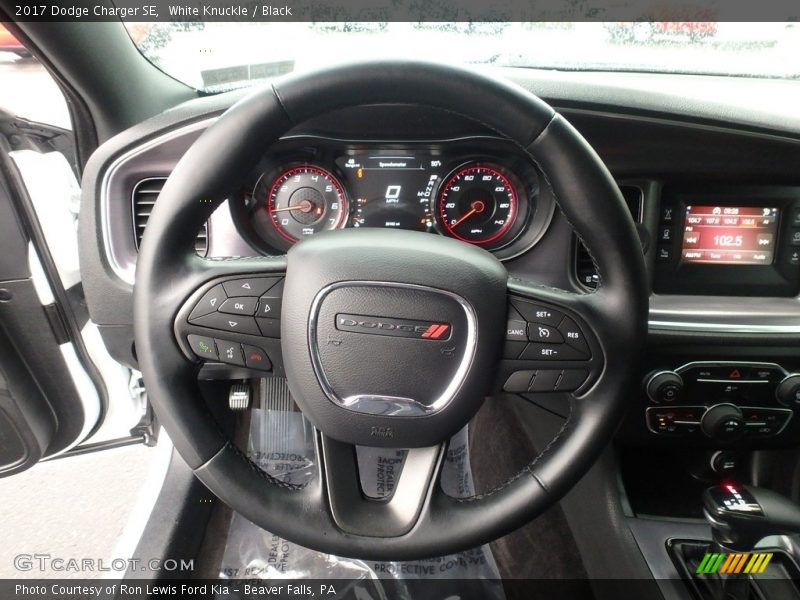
(724, 402)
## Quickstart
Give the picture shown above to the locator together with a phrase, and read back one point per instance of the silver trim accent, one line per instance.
(720, 327)
(392, 406)
(124, 267)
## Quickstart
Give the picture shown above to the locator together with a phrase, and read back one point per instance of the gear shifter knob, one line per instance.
(740, 516)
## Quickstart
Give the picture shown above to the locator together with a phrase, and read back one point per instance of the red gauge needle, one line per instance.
(305, 206)
(477, 208)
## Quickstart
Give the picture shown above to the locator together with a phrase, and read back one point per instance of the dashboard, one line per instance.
(716, 203)
(480, 190)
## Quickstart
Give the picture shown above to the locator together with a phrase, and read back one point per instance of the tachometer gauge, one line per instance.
(478, 204)
(305, 200)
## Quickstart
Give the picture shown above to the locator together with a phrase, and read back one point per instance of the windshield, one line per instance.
(221, 56)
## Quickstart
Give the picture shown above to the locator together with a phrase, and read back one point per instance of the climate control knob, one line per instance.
(664, 386)
(788, 390)
(723, 423)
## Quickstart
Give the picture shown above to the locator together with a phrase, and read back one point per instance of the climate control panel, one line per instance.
(722, 401)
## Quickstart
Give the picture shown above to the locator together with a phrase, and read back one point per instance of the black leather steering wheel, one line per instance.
(363, 389)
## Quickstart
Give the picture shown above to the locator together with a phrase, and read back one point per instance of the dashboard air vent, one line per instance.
(145, 194)
(584, 267)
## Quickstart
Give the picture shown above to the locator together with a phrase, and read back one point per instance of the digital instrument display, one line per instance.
(391, 190)
(730, 235)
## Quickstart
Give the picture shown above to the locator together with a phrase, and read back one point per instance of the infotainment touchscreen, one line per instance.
(731, 235)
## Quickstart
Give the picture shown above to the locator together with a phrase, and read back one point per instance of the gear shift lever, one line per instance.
(740, 516)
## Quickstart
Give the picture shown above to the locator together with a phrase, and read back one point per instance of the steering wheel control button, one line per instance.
(545, 380)
(254, 286)
(538, 351)
(232, 323)
(544, 334)
(239, 306)
(256, 358)
(203, 346)
(574, 336)
(230, 352)
(269, 307)
(516, 331)
(536, 313)
(270, 328)
(209, 303)
(519, 381)
(512, 350)
(571, 379)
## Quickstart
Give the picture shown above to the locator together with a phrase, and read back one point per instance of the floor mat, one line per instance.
(281, 443)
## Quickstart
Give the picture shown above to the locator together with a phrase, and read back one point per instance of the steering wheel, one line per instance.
(389, 338)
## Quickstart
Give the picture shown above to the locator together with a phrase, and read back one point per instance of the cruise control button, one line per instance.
(536, 313)
(513, 349)
(239, 306)
(545, 380)
(515, 330)
(210, 302)
(269, 327)
(534, 351)
(269, 307)
(542, 333)
(572, 379)
(202, 346)
(230, 352)
(518, 381)
(574, 336)
(233, 323)
(253, 286)
(256, 358)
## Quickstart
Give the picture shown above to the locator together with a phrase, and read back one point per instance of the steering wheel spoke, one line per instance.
(398, 509)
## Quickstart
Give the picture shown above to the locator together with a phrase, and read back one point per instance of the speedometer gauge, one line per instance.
(477, 204)
(305, 200)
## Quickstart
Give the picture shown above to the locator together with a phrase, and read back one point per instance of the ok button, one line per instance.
(239, 306)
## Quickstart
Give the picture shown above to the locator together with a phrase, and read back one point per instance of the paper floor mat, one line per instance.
(282, 444)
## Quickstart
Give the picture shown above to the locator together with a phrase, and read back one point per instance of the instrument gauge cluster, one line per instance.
(482, 191)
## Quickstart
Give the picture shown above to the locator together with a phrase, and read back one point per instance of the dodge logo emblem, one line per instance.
(424, 330)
